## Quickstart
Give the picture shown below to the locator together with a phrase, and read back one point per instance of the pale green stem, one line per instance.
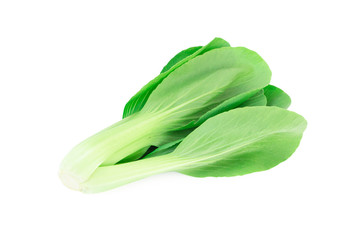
(109, 177)
(109, 146)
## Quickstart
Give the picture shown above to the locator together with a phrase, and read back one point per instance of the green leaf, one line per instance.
(238, 142)
(276, 97)
(250, 140)
(205, 82)
(137, 102)
(180, 56)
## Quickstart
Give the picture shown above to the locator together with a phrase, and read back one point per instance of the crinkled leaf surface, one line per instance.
(137, 102)
(276, 97)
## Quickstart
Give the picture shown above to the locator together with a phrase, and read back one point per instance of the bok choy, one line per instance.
(177, 113)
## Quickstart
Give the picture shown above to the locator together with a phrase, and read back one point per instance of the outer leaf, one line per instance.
(250, 140)
(208, 81)
(237, 142)
(137, 102)
(170, 147)
(276, 97)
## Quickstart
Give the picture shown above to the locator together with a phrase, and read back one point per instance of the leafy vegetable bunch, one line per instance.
(210, 112)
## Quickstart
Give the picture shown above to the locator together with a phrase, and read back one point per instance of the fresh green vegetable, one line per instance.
(237, 142)
(210, 112)
(193, 91)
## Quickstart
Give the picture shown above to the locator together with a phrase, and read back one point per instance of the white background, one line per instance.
(68, 67)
